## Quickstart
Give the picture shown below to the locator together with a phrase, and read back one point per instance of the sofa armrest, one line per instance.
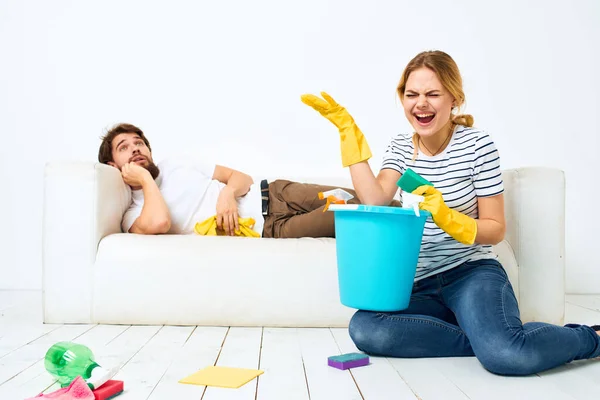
(83, 202)
(535, 215)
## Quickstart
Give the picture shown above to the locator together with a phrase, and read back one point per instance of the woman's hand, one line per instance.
(227, 211)
(460, 226)
(353, 144)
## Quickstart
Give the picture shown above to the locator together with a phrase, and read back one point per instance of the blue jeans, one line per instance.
(471, 310)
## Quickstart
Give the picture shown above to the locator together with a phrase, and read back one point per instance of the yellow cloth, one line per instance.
(208, 227)
(460, 226)
(226, 377)
(353, 144)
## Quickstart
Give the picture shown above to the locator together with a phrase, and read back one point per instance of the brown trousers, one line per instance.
(295, 210)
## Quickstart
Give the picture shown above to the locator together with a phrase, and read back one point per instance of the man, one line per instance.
(173, 196)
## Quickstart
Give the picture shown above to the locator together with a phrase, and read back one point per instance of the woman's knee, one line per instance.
(510, 360)
(358, 328)
(361, 329)
(368, 334)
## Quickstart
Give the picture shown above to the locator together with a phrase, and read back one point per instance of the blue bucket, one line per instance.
(377, 252)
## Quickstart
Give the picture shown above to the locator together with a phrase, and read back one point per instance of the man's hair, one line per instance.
(105, 152)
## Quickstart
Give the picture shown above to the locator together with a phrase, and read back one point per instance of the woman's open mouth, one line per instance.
(424, 118)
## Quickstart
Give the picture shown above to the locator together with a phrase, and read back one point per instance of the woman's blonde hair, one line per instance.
(447, 72)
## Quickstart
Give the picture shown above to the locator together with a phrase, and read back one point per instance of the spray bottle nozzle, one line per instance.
(335, 196)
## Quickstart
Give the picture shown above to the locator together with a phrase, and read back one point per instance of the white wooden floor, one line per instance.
(153, 358)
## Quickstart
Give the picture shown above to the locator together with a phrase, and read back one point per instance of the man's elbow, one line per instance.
(154, 227)
(162, 225)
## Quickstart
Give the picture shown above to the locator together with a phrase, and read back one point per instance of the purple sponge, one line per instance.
(349, 360)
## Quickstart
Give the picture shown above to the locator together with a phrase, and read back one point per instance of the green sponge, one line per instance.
(410, 180)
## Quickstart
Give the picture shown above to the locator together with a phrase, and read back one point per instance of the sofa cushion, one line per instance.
(222, 281)
(217, 281)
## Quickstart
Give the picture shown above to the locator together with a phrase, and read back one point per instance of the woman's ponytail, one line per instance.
(463, 119)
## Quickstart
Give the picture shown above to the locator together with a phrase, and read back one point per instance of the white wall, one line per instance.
(223, 79)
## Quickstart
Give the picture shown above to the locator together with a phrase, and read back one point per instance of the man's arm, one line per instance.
(237, 185)
(155, 217)
(236, 181)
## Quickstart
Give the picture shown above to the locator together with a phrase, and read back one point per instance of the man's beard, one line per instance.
(153, 169)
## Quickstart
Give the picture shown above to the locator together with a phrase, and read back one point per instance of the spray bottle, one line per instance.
(335, 196)
(410, 200)
(408, 182)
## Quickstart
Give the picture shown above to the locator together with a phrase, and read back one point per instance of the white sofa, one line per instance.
(94, 273)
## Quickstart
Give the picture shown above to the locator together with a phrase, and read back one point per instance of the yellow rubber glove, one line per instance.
(354, 146)
(460, 226)
(208, 227)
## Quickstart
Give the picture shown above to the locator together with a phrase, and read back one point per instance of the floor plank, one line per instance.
(569, 380)
(477, 383)
(324, 382)
(199, 351)
(22, 334)
(241, 349)
(142, 372)
(281, 359)
(24, 357)
(419, 373)
(378, 380)
(153, 358)
(123, 348)
(36, 379)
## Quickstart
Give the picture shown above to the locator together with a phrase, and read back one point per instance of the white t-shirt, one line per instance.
(191, 196)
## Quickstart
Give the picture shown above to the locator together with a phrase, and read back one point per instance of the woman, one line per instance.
(462, 302)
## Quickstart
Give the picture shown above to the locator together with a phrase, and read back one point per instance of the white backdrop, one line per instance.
(223, 79)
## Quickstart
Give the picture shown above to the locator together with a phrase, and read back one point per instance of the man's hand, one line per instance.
(134, 175)
(227, 211)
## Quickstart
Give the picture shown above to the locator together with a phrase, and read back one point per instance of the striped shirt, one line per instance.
(467, 169)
